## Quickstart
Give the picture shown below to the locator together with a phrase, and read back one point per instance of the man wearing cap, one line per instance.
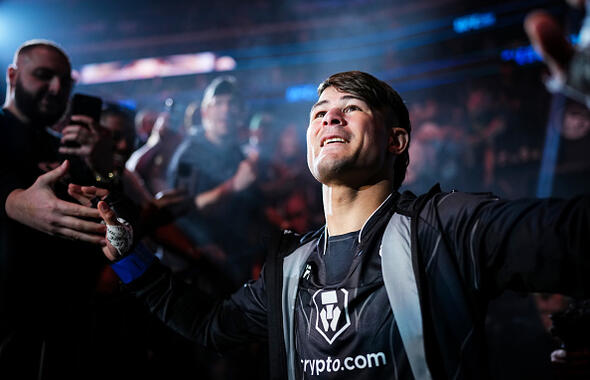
(211, 165)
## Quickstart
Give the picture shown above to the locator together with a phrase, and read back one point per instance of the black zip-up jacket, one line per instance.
(465, 249)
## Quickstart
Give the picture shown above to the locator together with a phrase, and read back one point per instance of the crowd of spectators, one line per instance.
(220, 166)
(479, 136)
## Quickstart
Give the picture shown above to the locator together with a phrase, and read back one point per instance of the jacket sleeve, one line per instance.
(216, 324)
(535, 245)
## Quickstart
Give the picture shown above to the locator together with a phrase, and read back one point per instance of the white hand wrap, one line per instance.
(120, 237)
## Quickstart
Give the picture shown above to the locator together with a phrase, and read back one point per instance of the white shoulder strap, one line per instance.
(402, 291)
(292, 271)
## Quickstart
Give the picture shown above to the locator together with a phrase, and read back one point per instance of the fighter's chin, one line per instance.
(329, 172)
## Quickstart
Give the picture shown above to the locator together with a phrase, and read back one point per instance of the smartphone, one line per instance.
(86, 105)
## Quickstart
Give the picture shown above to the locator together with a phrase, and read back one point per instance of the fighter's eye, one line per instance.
(319, 114)
(351, 108)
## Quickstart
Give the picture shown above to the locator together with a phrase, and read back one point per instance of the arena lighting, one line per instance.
(8, 40)
(147, 68)
(129, 104)
(473, 22)
(524, 55)
(301, 92)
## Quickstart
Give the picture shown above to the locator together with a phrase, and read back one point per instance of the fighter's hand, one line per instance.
(85, 194)
(39, 208)
(95, 144)
(119, 237)
(549, 41)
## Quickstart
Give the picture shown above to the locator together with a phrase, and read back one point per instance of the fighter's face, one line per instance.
(346, 140)
(221, 115)
(42, 85)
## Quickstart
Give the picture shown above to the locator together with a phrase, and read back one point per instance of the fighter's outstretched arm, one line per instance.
(216, 324)
(534, 245)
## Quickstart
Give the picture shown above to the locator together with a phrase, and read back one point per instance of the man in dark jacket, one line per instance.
(394, 286)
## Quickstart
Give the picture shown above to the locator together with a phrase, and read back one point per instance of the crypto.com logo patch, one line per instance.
(331, 313)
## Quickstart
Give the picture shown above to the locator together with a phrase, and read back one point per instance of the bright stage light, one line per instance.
(301, 93)
(146, 68)
(473, 22)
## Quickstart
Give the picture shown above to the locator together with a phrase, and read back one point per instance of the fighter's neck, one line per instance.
(346, 209)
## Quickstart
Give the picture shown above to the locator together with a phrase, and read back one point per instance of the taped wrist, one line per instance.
(120, 236)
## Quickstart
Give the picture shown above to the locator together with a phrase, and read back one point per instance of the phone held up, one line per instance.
(78, 173)
(86, 105)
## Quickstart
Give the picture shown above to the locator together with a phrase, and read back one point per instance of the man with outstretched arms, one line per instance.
(394, 286)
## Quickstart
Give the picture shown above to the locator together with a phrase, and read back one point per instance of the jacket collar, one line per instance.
(369, 226)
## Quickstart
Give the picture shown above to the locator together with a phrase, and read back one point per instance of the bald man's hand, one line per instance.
(38, 207)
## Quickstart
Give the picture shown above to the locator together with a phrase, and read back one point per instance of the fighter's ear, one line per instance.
(11, 75)
(398, 140)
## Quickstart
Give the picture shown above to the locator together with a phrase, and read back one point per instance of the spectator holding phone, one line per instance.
(85, 139)
(41, 313)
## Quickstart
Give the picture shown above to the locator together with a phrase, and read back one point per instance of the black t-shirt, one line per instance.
(344, 325)
(340, 252)
(46, 282)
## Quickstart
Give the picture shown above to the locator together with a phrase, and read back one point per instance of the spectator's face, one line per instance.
(576, 122)
(220, 117)
(122, 132)
(347, 141)
(42, 84)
